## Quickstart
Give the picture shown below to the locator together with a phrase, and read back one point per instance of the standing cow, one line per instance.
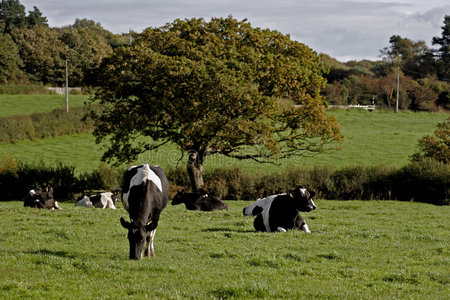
(41, 198)
(145, 193)
(281, 212)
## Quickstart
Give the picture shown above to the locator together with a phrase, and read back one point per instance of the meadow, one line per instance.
(371, 139)
(12, 105)
(368, 250)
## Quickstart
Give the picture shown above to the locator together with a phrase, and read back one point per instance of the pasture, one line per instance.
(371, 139)
(11, 105)
(375, 249)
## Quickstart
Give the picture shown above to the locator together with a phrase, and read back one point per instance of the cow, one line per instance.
(41, 198)
(281, 212)
(103, 200)
(145, 194)
(200, 200)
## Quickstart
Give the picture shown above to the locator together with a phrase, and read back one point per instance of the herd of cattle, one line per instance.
(145, 194)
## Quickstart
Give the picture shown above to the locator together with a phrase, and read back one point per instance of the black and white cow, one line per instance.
(145, 193)
(281, 212)
(41, 198)
(200, 200)
(103, 200)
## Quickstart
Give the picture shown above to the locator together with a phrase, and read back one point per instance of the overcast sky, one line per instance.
(345, 30)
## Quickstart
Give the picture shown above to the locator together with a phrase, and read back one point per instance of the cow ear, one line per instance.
(125, 224)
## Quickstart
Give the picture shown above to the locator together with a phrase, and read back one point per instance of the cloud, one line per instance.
(343, 29)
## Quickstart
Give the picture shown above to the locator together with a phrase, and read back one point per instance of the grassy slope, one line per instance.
(371, 139)
(356, 250)
(11, 105)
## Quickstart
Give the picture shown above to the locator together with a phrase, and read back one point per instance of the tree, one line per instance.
(12, 14)
(35, 18)
(42, 53)
(86, 49)
(10, 62)
(213, 87)
(436, 146)
(443, 52)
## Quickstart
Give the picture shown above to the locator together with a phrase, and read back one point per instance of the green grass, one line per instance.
(11, 105)
(370, 139)
(369, 250)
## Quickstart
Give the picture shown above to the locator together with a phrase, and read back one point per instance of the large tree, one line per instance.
(10, 62)
(213, 87)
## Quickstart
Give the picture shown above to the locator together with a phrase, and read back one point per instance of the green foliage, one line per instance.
(86, 49)
(437, 146)
(357, 249)
(12, 14)
(42, 53)
(44, 125)
(444, 49)
(10, 61)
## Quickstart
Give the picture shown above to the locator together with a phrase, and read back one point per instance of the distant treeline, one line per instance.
(425, 181)
(31, 52)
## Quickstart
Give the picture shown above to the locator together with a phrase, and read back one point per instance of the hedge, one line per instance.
(425, 181)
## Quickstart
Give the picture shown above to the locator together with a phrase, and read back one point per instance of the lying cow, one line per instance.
(199, 201)
(103, 200)
(145, 193)
(281, 212)
(41, 198)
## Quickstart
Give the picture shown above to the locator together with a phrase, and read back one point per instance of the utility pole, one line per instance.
(67, 89)
(398, 86)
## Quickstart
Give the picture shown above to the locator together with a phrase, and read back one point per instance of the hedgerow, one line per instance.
(425, 181)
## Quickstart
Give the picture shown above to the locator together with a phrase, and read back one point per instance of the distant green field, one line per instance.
(371, 138)
(11, 105)
(357, 250)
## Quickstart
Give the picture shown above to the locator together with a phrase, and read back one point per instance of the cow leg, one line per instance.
(150, 250)
(305, 228)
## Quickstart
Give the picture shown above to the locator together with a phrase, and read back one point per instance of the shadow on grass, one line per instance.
(223, 229)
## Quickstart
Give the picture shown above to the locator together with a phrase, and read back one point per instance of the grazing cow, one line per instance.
(103, 200)
(41, 198)
(199, 201)
(281, 212)
(145, 193)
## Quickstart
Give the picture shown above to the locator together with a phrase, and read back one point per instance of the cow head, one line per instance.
(137, 233)
(303, 199)
(178, 199)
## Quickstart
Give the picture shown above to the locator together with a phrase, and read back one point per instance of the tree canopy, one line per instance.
(213, 87)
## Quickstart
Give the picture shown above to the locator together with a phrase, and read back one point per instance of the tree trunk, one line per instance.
(195, 169)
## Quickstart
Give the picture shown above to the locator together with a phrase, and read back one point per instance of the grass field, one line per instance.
(11, 105)
(357, 250)
(371, 139)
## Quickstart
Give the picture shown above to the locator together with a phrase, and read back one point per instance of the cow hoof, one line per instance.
(281, 229)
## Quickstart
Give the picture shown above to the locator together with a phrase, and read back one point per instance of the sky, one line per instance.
(345, 30)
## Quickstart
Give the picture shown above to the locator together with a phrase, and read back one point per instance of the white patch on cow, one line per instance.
(305, 228)
(106, 200)
(313, 204)
(261, 202)
(57, 206)
(281, 229)
(143, 174)
(152, 237)
(86, 202)
(303, 191)
(32, 193)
